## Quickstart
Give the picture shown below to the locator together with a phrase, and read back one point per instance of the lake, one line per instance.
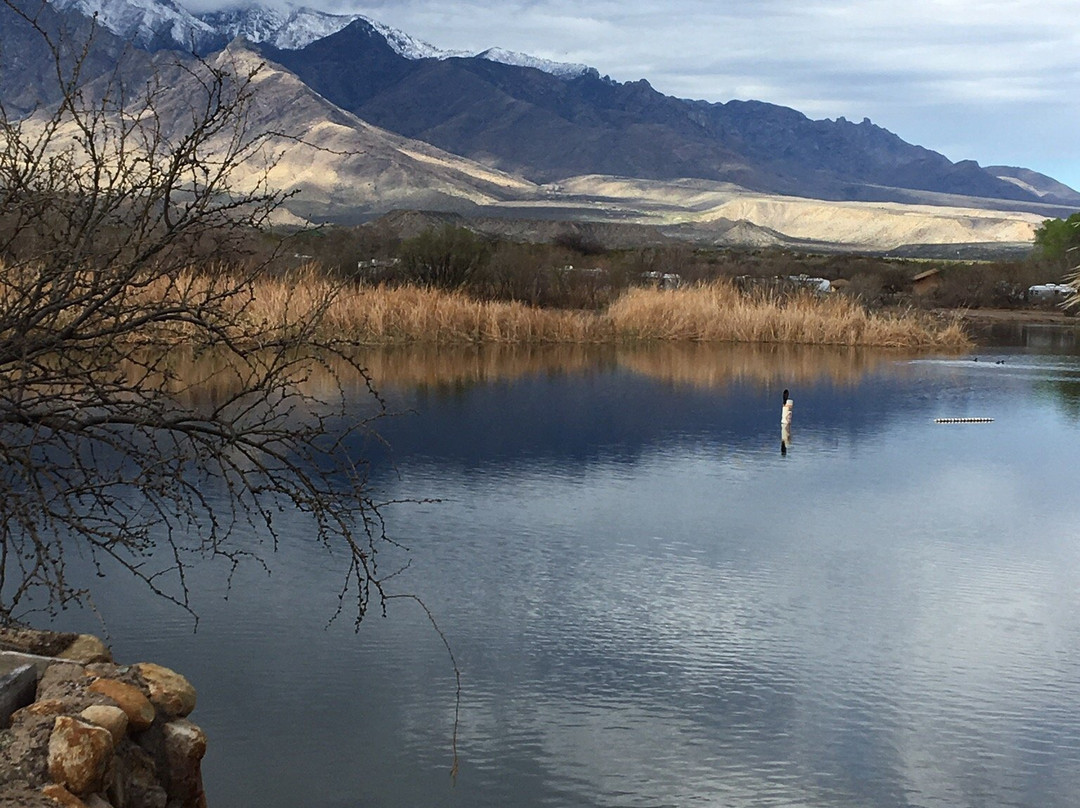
(651, 605)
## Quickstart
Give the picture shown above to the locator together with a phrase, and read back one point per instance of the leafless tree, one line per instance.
(149, 412)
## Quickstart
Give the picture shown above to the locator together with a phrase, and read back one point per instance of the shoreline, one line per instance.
(1016, 316)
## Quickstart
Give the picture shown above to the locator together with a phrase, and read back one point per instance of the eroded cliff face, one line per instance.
(77, 729)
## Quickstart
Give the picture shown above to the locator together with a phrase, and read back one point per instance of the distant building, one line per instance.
(663, 280)
(926, 282)
(1050, 292)
(376, 264)
(820, 285)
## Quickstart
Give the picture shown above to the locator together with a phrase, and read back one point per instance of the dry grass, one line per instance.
(398, 315)
(718, 312)
(715, 312)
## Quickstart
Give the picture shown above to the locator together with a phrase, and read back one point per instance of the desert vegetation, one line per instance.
(715, 311)
(575, 269)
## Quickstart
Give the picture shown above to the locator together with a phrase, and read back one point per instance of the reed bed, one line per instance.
(718, 312)
(384, 315)
(714, 312)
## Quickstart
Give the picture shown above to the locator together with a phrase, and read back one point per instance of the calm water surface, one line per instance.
(651, 606)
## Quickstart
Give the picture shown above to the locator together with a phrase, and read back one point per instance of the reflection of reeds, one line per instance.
(205, 380)
(685, 364)
(714, 312)
(713, 366)
(463, 365)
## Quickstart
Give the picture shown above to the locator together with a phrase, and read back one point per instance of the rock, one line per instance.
(57, 792)
(136, 782)
(40, 708)
(168, 689)
(24, 756)
(185, 745)
(35, 641)
(96, 801)
(114, 719)
(10, 660)
(61, 679)
(86, 648)
(105, 670)
(80, 755)
(130, 699)
(18, 689)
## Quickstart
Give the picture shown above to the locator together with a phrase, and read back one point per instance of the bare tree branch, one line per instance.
(149, 415)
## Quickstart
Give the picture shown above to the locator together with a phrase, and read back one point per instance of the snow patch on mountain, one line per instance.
(147, 23)
(153, 24)
(409, 47)
(565, 70)
(295, 27)
(287, 29)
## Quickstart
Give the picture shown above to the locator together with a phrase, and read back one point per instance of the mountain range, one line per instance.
(411, 125)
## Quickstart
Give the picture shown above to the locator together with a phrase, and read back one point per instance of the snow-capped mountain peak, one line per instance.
(294, 27)
(147, 23)
(410, 47)
(154, 24)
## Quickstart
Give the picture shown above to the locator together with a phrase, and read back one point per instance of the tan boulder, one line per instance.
(86, 649)
(114, 719)
(56, 792)
(168, 689)
(80, 755)
(40, 708)
(130, 699)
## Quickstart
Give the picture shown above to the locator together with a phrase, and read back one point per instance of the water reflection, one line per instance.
(650, 607)
(457, 368)
(1034, 337)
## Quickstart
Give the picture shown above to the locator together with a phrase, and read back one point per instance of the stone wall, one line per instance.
(94, 734)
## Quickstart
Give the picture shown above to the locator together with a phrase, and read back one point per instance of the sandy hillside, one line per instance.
(869, 225)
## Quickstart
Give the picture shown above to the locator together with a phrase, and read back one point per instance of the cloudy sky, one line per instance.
(996, 81)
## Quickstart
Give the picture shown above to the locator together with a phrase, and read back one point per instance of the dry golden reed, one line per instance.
(718, 312)
(714, 312)
(383, 315)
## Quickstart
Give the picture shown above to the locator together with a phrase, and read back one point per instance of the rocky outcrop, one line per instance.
(98, 734)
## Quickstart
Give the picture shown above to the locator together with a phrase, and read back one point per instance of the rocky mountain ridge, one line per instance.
(383, 121)
(546, 127)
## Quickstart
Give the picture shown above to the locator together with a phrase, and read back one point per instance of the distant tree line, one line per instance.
(575, 272)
